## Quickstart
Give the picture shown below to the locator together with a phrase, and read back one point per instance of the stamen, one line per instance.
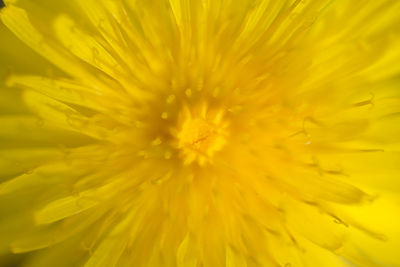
(199, 137)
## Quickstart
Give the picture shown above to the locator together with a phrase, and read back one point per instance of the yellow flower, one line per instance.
(200, 133)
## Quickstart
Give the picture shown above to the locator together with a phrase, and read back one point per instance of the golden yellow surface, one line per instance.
(200, 133)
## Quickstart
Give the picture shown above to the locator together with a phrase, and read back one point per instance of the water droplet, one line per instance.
(200, 84)
(28, 171)
(188, 92)
(167, 155)
(170, 99)
(216, 91)
(156, 141)
(77, 122)
(143, 154)
(164, 115)
(40, 122)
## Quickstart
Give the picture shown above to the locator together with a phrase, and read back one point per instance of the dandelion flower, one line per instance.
(200, 133)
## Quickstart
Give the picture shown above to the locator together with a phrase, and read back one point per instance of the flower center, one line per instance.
(199, 137)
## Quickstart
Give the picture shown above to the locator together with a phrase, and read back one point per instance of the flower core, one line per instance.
(200, 136)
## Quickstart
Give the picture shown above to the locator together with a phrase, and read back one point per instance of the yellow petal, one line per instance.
(68, 206)
(62, 115)
(41, 134)
(111, 248)
(50, 235)
(59, 89)
(13, 162)
(85, 46)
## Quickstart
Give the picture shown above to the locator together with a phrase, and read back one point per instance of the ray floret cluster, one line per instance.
(200, 133)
